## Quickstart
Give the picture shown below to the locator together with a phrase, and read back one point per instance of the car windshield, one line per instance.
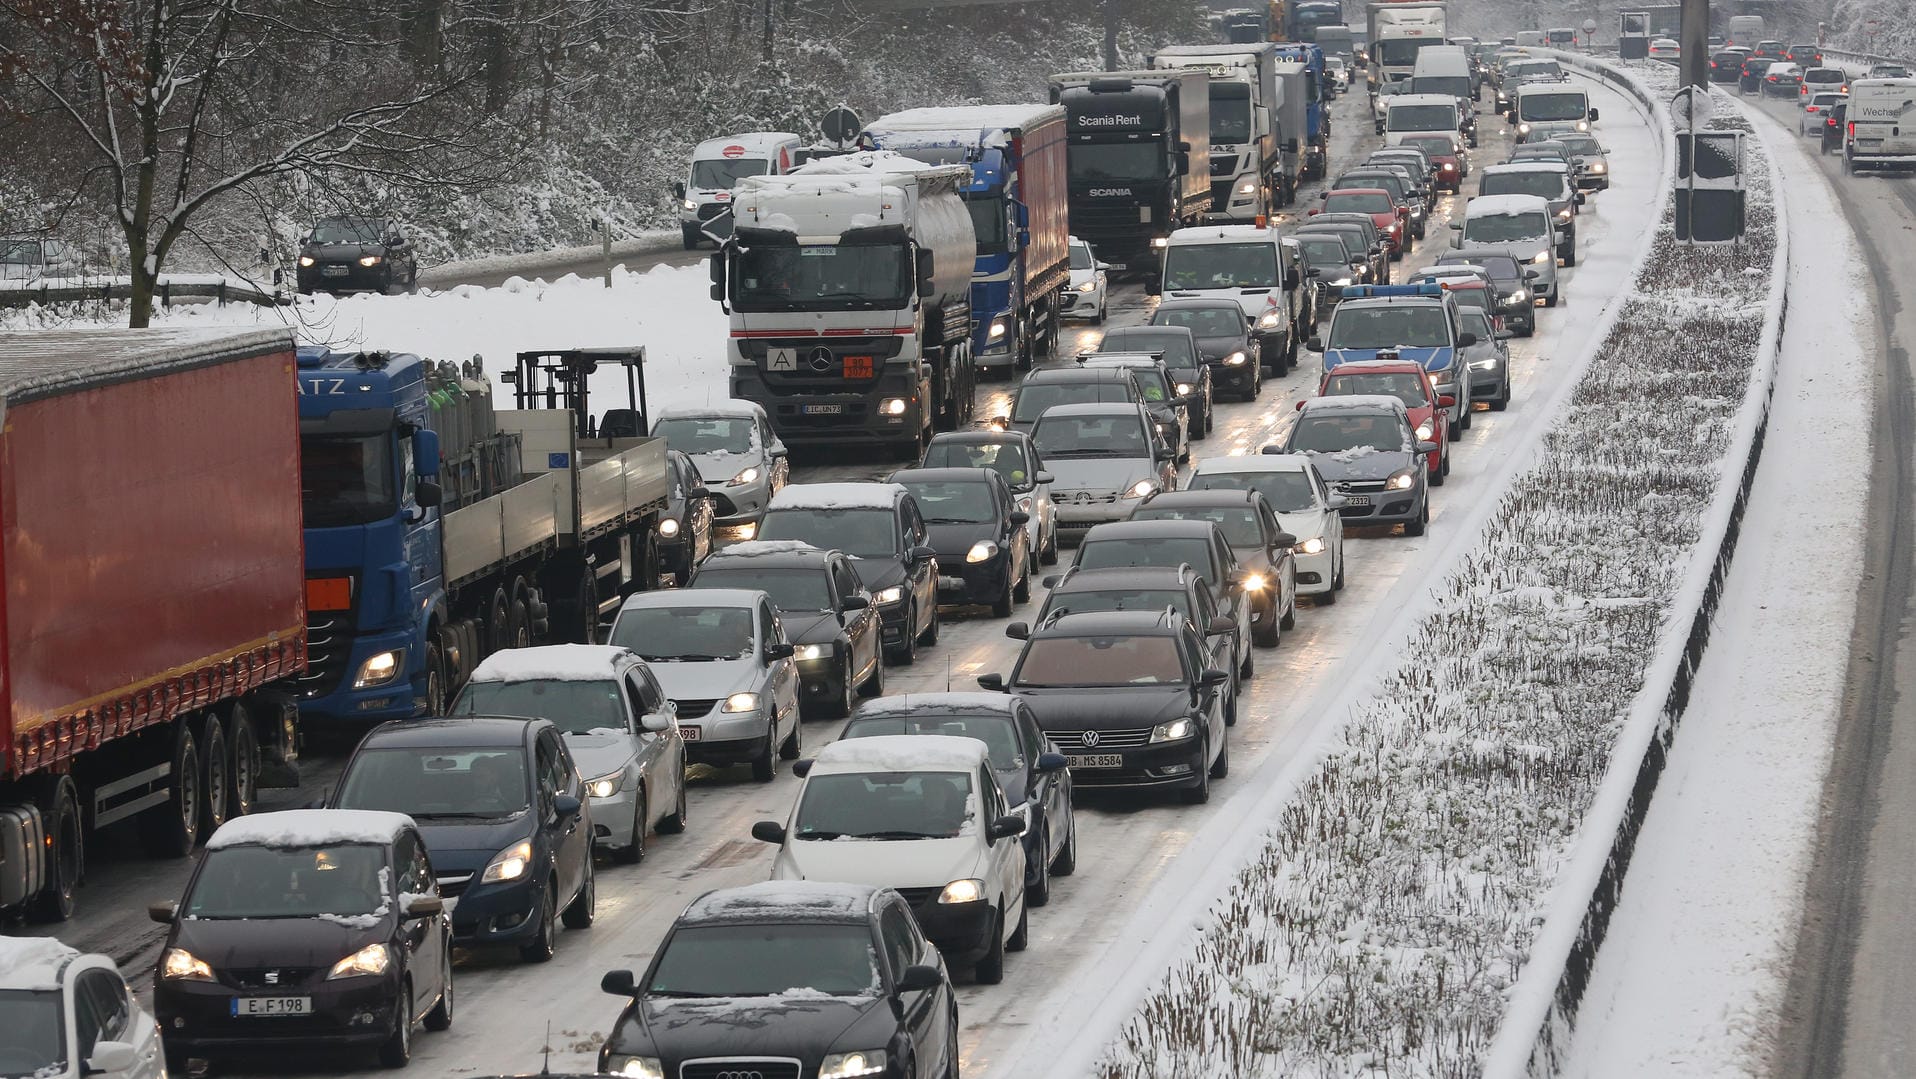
(943, 502)
(1579, 143)
(1168, 551)
(994, 730)
(1089, 600)
(575, 706)
(1548, 185)
(792, 589)
(1238, 523)
(884, 806)
(1421, 118)
(1324, 253)
(790, 277)
(1103, 162)
(1347, 202)
(1407, 388)
(1034, 397)
(1066, 662)
(1337, 432)
(1506, 228)
(423, 782)
(1090, 436)
(1287, 492)
(861, 533)
(1196, 266)
(684, 633)
(347, 230)
(706, 434)
(724, 173)
(1419, 326)
(1177, 347)
(1203, 321)
(1561, 106)
(1441, 146)
(767, 960)
(1081, 257)
(32, 1033)
(1005, 458)
(344, 880)
(347, 480)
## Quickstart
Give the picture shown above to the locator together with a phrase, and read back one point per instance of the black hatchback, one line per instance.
(973, 522)
(356, 254)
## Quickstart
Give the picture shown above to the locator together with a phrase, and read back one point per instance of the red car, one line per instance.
(1447, 155)
(1407, 381)
(1392, 217)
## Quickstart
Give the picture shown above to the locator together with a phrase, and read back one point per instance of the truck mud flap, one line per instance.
(22, 868)
(276, 721)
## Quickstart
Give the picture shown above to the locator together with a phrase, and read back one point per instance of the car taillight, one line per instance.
(1852, 129)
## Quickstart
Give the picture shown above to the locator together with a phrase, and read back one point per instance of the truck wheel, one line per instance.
(498, 611)
(172, 828)
(519, 625)
(242, 754)
(59, 802)
(214, 775)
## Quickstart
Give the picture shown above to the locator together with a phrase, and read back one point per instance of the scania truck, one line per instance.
(1248, 177)
(1300, 71)
(1020, 206)
(1140, 157)
(1397, 32)
(848, 283)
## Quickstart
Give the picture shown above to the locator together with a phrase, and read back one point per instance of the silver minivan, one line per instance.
(1521, 225)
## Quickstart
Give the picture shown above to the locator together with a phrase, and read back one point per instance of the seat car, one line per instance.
(1169, 416)
(1131, 698)
(1102, 458)
(1549, 181)
(1012, 455)
(737, 453)
(1407, 381)
(1266, 568)
(1141, 588)
(787, 978)
(1305, 505)
(67, 1014)
(1487, 359)
(922, 814)
(1030, 769)
(685, 528)
(827, 616)
(1383, 482)
(305, 929)
(973, 522)
(1224, 340)
(356, 253)
(502, 810)
(879, 528)
(721, 657)
(1522, 227)
(1048, 387)
(1189, 374)
(1198, 544)
(1087, 294)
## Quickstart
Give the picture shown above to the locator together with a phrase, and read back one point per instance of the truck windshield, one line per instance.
(1402, 51)
(347, 480)
(289, 882)
(1421, 118)
(1418, 326)
(1566, 106)
(1098, 162)
(35, 1039)
(1199, 266)
(821, 277)
(724, 173)
(575, 706)
(988, 222)
(1230, 113)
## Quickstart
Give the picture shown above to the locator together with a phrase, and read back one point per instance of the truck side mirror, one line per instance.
(425, 452)
(717, 264)
(1184, 162)
(678, 190)
(426, 494)
(1290, 145)
(927, 264)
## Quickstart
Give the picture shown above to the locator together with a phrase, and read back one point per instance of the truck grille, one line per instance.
(1221, 194)
(1107, 217)
(739, 1068)
(1069, 741)
(1223, 165)
(329, 645)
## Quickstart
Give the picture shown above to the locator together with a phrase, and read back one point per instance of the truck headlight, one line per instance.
(371, 260)
(306, 260)
(1523, 129)
(509, 864)
(1174, 731)
(372, 959)
(1402, 481)
(379, 669)
(669, 527)
(637, 1067)
(181, 965)
(890, 595)
(1314, 545)
(1140, 489)
(998, 329)
(963, 891)
(606, 786)
(850, 1065)
(982, 551)
(812, 651)
(1235, 359)
(741, 702)
(749, 475)
(893, 406)
(1249, 187)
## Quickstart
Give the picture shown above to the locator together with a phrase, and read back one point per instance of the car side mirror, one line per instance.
(619, 983)
(165, 912)
(803, 768)
(1284, 539)
(1219, 624)
(918, 979)
(1466, 339)
(1165, 453)
(1213, 678)
(566, 806)
(426, 494)
(1052, 762)
(1313, 272)
(1322, 195)
(1050, 580)
(993, 682)
(769, 831)
(1315, 344)
(1426, 447)
(678, 190)
(1020, 518)
(1532, 275)
(1041, 477)
(425, 906)
(1445, 400)
(1336, 502)
(854, 603)
(111, 1056)
(656, 722)
(922, 554)
(1153, 287)
(1018, 631)
(779, 650)
(1006, 827)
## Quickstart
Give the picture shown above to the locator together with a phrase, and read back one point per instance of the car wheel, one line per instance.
(1067, 861)
(990, 970)
(1222, 766)
(1465, 420)
(633, 853)
(1021, 936)
(1502, 400)
(907, 653)
(1201, 793)
(791, 748)
(1289, 621)
(1436, 476)
(440, 1018)
(1049, 555)
(765, 765)
(675, 824)
(842, 706)
(951, 1048)
(1550, 300)
(1022, 593)
(930, 636)
(1416, 528)
(1570, 259)
(584, 906)
(396, 1050)
(545, 942)
(1001, 607)
(873, 686)
(1037, 895)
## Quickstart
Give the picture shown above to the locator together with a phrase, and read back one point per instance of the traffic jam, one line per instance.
(1046, 431)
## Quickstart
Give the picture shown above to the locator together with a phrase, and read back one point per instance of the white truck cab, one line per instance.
(717, 166)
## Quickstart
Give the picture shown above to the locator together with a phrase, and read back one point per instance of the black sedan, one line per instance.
(788, 978)
(1267, 568)
(502, 809)
(1224, 340)
(1198, 544)
(685, 528)
(304, 929)
(973, 522)
(1138, 588)
(1030, 769)
(1182, 361)
(356, 254)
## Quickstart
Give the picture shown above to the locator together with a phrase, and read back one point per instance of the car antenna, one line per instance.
(947, 674)
(545, 1059)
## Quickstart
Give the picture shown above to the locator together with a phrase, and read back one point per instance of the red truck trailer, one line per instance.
(153, 610)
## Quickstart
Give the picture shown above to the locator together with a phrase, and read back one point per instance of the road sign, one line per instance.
(841, 125)
(733, 151)
(1709, 191)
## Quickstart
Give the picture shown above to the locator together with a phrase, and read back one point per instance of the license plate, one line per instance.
(951, 582)
(333, 271)
(822, 410)
(1096, 760)
(690, 734)
(1356, 500)
(272, 1006)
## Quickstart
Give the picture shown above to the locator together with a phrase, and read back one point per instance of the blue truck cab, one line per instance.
(1317, 105)
(1417, 322)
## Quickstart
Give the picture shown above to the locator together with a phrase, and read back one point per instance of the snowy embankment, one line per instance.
(1398, 898)
(669, 310)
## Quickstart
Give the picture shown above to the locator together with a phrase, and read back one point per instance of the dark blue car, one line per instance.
(503, 812)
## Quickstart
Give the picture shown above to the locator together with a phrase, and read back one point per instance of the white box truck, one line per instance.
(1247, 175)
(1881, 128)
(1398, 32)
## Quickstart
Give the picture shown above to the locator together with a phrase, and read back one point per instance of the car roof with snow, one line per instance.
(783, 901)
(940, 123)
(1073, 373)
(1489, 205)
(729, 409)
(1509, 167)
(899, 753)
(554, 663)
(838, 496)
(1422, 99)
(34, 962)
(692, 597)
(310, 828)
(1209, 234)
(768, 553)
(955, 701)
(1265, 462)
(1355, 402)
(942, 474)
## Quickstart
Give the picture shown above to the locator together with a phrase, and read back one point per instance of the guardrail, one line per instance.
(221, 292)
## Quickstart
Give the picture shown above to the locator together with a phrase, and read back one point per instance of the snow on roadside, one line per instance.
(1394, 903)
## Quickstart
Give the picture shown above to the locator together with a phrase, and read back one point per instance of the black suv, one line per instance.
(1131, 699)
(879, 527)
(356, 254)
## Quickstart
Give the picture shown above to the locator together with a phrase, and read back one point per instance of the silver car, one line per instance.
(1102, 458)
(735, 449)
(721, 656)
(1521, 226)
(1487, 359)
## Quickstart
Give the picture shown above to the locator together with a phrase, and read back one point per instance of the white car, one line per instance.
(1816, 111)
(922, 814)
(1306, 508)
(1339, 72)
(1085, 295)
(616, 721)
(65, 1014)
(722, 657)
(1665, 48)
(735, 449)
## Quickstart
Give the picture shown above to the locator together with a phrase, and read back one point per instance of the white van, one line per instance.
(1522, 227)
(1550, 103)
(1746, 30)
(1442, 69)
(717, 166)
(1409, 114)
(1529, 37)
(1882, 125)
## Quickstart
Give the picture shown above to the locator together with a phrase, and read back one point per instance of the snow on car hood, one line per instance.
(1362, 463)
(706, 679)
(1099, 475)
(719, 467)
(897, 863)
(601, 752)
(1305, 525)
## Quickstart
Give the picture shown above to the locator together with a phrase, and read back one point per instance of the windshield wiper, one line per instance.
(462, 815)
(680, 993)
(1079, 453)
(821, 835)
(903, 835)
(951, 521)
(691, 657)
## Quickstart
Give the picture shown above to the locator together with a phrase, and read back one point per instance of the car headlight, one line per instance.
(1160, 241)
(669, 527)
(1598, 166)
(1563, 214)
(638, 1067)
(1140, 488)
(1449, 166)
(1235, 359)
(893, 406)
(1540, 257)
(1520, 295)
(1342, 282)
(689, 206)
(1255, 582)
(1424, 431)
(1523, 129)
(1314, 545)
(1183, 388)
(748, 475)
(812, 651)
(372, 959)
(1088, 286)
(379, 669)
(847, 1065)
(890, 595)
(981, 551)
(371, 260)
(509, 864)
(1583, 125)
(1175, 730)
(1270, 320)
(306, 260)
(741, 702)
(1483, 364)
(606, 786)
(1402, 481)
(963, 891)
(998, 329)
(181, 965)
